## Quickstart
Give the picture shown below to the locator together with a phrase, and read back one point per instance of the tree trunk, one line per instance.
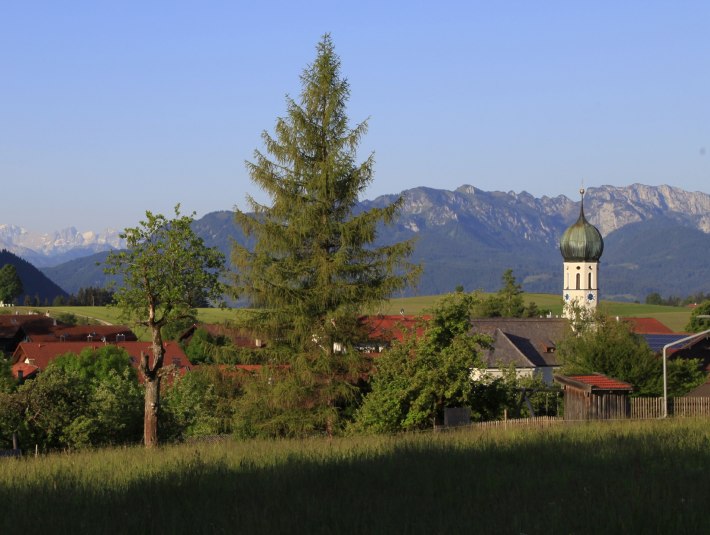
(151, 377)
(152, 405)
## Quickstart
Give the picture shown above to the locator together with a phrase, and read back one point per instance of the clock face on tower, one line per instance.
(590, 297)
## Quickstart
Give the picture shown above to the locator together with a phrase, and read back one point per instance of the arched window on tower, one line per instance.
(590, 281)
(579, 280)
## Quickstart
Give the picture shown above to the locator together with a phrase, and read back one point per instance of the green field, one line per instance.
(623, 477)
(674, 317)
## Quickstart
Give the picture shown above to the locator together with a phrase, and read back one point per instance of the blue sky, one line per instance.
(111, 109)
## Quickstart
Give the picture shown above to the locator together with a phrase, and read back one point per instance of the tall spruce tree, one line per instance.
(314, 267)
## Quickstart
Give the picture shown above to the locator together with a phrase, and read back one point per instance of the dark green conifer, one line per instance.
(314, 266)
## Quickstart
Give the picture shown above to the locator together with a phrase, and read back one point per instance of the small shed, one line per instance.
(595, 397)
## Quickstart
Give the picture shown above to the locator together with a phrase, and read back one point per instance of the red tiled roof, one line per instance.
(30, 323)
(239, 337)
(249, 367)
(648, 326)
(602, 382)
(21, 319)
(80, 333)
(245, 367)
(388, 328)
(41, 354)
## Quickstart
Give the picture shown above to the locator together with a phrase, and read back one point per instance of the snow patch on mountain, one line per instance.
(46, 249)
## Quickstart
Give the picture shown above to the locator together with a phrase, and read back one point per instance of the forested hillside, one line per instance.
(36, 286)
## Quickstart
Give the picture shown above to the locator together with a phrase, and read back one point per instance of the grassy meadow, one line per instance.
(619, 477)
(674, 317)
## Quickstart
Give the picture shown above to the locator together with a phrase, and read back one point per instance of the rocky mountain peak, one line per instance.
(612, 207)
(42, 249)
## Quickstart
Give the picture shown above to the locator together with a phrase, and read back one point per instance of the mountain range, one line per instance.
(51, 249)
(657, 239)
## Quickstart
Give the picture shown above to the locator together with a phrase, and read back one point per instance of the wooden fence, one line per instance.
(642, 408)
(538, 421)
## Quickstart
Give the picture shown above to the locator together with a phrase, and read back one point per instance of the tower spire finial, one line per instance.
(581, 203)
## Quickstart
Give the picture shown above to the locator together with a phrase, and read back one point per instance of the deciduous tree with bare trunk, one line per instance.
(166, 272)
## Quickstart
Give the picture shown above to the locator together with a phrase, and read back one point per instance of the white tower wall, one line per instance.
(581, 284)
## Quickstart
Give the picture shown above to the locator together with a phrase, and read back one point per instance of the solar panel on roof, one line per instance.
(657, 341)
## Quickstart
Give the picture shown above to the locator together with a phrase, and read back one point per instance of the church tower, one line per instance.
(581, 246)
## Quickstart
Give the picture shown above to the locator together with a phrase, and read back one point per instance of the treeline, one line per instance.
(674, 301)
(507, 302)
(90, 297)
(36, 287)
(85, 297)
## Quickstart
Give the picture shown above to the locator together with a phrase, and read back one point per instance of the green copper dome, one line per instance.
(581, 242)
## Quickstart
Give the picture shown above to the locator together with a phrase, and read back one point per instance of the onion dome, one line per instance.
(581, 242)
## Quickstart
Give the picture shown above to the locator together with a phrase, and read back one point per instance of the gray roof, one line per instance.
(702, 391)
(526, 343)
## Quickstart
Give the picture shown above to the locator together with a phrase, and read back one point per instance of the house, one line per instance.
(696, 348)
(239, 337)
(527, 344)
(18, 328)
(24, 370)
(647, 326)
(701, 391)
(14, 328)
(31, 358)
(595, 397)
(657, 336)
(86, 333)
(10, 336)
(381, 330)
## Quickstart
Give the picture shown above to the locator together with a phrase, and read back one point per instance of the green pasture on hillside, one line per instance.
(674, 317)
(619, 477)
